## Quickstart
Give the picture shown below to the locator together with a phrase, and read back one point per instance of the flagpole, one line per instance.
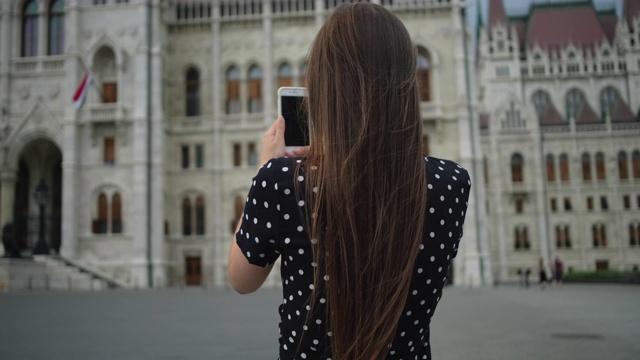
(87, 71)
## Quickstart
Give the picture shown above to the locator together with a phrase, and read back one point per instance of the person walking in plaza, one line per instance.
(542, 273)
(558, 272)
(364, 225)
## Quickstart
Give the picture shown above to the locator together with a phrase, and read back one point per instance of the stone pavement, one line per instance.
(573, 322)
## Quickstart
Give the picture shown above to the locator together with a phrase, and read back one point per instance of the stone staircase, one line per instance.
(43, 272)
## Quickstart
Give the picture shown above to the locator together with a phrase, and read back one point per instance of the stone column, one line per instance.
(219, 230)
(70, 182)
(268, 89)
(42, 30)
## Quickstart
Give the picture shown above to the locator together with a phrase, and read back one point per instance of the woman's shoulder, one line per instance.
(443, 171)
(279, 168)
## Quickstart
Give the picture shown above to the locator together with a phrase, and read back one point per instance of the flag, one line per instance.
(81, 93)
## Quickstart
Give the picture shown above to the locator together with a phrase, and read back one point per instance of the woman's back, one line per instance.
(275, 216)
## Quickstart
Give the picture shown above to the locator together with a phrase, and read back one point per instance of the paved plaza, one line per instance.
(573, 322)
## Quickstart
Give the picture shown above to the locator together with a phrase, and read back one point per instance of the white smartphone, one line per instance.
(296, 118)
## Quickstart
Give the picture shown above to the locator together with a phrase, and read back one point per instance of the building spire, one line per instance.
(497, 14)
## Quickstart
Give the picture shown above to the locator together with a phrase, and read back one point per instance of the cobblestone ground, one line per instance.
(573, 322)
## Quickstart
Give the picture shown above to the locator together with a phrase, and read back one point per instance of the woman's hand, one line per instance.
(273, 141)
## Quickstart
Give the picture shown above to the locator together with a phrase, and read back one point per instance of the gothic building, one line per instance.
(560, 126)
(145, 180)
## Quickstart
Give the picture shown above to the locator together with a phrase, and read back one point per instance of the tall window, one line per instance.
(186, 217)
(599, 235)
(184, 151)
(634, 234)
(521, 238)
(608, 97)
(589, 203)
(551, 168)
(635, 164)
(563, 237)
(101, 222)
(519, 205)
(586, 167)
(600, 167)
(567, 204)
(199, 216)
(516, 168)
(56, 28)
(424, 74)
(564, 167)
(30, 28)
(193, 216)
(237, 154)
(105, 68)
(541, 103)
(255, 89)
(192, 90)
(116, 214)
(199, 156)
(623, 166)
(109, 150)
(574, 102)
(604, 203)
(109, 218)
(233, 90)
(252, 154)
(285, 75)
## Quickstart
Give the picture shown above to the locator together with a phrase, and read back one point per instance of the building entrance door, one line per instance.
(193, 270)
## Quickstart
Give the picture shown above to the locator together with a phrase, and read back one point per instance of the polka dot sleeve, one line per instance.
(257, 237)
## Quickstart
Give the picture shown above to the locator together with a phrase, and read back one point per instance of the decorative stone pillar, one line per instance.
(219, 230)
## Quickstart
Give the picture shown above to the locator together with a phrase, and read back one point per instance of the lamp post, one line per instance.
(41, 196)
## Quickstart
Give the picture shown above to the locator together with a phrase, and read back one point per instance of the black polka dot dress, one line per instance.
(272, 227)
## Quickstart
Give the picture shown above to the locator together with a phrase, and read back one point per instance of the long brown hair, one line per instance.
(366, 175)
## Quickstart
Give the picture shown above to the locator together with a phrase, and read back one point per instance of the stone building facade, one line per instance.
(560, 123)
(147, 179)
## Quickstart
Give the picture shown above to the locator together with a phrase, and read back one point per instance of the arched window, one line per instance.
(192, 89)
(564, 167)
(623, 166)
(517, 163)
(30, 28)
(424, 74)
(100, 223)
(255, 89)
(600, 167)
(116, 214)
(105, 69)
(233, 90)
(635, 164)
(56, 28)
(586, 167)
(541, 103)
(200, 215)
(303, 74)
(186, 217)
(285, 75)
(574, 102)
(608, 97)
(551, 168)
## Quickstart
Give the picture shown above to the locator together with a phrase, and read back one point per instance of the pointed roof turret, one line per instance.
(497, 14)
(631, 10)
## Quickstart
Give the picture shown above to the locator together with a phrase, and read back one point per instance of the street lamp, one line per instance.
(41, 196)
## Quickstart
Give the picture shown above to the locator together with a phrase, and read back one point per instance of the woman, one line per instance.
(365, 226)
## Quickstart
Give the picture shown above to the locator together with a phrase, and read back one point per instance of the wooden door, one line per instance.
(193, 270)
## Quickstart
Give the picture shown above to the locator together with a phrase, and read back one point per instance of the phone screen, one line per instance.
(296, 131)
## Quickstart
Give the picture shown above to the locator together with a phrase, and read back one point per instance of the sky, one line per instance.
(519, 7)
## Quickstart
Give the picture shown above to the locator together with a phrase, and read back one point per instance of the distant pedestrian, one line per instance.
(543, 274)
(526, 277)
(558, 272)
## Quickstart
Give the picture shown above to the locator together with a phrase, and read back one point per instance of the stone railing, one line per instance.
(105, 112)
(31, 65)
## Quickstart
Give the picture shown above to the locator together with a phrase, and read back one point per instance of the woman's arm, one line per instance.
(243, 276)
